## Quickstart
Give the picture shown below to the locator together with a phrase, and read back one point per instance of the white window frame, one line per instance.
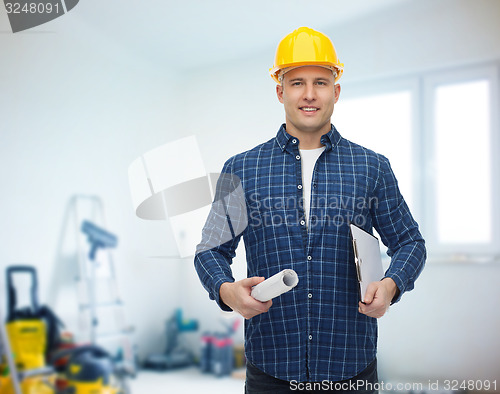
(422, 88)
(430, 83)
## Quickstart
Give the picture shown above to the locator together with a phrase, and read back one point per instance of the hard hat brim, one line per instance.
(274, 71)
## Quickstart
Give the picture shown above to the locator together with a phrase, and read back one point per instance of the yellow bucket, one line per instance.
(27, 341)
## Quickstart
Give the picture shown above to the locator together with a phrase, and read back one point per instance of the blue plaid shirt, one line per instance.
(313, 332)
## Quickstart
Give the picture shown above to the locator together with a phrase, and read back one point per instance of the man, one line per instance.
(298, 192)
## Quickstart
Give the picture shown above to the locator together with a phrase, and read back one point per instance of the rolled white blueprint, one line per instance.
(276, 285)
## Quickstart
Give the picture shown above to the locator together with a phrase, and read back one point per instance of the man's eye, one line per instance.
(321, 83)
(296, 83)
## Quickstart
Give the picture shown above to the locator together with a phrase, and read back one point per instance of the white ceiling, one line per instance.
(187, 34)
(199, 32)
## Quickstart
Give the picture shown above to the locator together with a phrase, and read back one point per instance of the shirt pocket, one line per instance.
(344, 202)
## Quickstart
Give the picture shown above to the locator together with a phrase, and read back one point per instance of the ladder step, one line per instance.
(117, 334)
(109, 304)
(43, 371)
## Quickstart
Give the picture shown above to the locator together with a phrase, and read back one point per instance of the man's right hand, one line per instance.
(237, 296)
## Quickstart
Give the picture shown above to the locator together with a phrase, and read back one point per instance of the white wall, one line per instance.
(76, 109)
(418, 36)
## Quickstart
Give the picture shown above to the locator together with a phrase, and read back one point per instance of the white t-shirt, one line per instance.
(308, 159)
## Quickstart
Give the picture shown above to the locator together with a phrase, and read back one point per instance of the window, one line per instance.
(440, 133)
(463, 163)
(461, 133)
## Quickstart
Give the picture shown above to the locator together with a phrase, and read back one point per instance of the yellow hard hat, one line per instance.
(305, 47)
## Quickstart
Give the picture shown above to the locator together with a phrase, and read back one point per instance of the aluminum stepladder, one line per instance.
(91, 303)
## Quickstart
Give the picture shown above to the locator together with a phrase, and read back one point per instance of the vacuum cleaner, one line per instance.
(89, 370)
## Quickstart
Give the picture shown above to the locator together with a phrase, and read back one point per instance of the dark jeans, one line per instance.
(258, 382)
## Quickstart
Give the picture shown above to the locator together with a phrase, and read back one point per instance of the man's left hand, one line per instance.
(378, 298)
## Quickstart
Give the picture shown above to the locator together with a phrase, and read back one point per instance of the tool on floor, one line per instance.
(27, 332)
(217, 353)
(25, 341)
(90, 369)
(9, 380)
(176, 354)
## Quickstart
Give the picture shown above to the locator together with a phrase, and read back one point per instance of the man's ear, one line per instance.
(279, 93)
(337, 93)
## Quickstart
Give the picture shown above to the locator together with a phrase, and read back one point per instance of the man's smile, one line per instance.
(309, 109)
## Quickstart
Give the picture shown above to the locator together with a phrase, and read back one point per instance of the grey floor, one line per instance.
(191, 381)
(184, 381)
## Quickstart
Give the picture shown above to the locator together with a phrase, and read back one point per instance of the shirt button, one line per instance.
(309, 258)
(297, 157)
(310, 337)
(302, 222)
(299, 187)
(294, 141)
(309, 295)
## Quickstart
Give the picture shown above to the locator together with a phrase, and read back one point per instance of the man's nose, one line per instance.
(309, 92)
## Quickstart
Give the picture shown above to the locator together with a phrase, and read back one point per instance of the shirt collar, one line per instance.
(286, 141)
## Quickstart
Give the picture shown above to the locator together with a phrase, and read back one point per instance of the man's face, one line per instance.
(308, 94)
